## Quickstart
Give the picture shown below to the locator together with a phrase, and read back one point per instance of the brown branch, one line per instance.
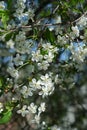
(39, 25)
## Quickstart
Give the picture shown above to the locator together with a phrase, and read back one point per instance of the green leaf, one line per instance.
(4, 15)
(49, 35)
(4, 20)
(45, 13)
(1, 82)
(6, 117)
(9, 4)
(75, 2)
(48, 128)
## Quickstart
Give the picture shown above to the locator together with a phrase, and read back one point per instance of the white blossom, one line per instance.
(75, 30)
(31, 13)
(49, 57)
(43, 65)
(46, 91)
(37, 119)
(78, 54)
(47, 46)
(26, 91)
(35, 84)
(2, 5)
(62, 40)
(42, 107)
(47, 86)
(46, 79)
(23, 111)
(58, 19)
(10, 43)
(83, 21)
(36, 56)
(13, 72)
(18, 60)
(32, 108)
(20, 36)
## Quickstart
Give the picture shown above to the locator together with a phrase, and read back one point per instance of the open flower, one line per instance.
(32, 108)
(26, 91)
(23, 111)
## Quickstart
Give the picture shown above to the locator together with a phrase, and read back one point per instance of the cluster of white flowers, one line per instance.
(13, 72)
(36, 56)
(23, 111)
(23, 45)
(74, 33)
(62, 40)
(25, 91)
(83, 21)
(79, 53)
(35, 84)
(2, 5)
(47, 86)
(32, 109)
(21, 14)
(10, 43)
(44, 85)
(20, 6)
(35, 70)
(18, 60)
(44, 56)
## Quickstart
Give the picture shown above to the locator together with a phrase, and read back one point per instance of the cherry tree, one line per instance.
(43, 57)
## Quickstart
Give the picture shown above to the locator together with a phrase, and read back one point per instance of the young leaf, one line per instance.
(6, 117)
(9, 5)
(49, 36)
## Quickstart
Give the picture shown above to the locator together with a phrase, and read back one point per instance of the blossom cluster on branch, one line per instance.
(32, 51)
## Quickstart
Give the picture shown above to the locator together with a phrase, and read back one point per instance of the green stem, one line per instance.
(23, 65)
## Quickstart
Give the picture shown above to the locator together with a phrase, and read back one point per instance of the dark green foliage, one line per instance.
(6, 117)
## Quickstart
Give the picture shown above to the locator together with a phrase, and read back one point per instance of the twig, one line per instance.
(37, 25)
(55, 9)
(79, 18)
